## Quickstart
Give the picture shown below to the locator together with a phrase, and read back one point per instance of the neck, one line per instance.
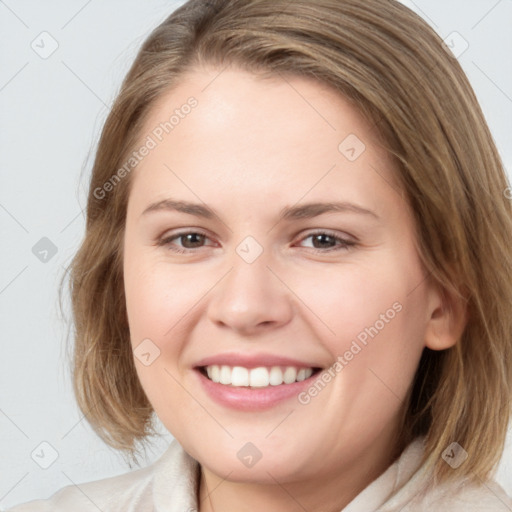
(328, 492)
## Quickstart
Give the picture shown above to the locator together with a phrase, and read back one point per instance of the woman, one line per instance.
(297, 256)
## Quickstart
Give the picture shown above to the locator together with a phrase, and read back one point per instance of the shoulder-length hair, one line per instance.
(397, 72)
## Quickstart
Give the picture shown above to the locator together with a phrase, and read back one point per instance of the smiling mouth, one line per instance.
(256, 378)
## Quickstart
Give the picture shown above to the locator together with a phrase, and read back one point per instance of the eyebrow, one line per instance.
(304, 211)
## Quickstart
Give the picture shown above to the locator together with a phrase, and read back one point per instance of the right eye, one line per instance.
(190, 240)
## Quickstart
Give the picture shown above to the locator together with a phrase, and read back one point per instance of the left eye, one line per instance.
(194, 240)
(329, 238)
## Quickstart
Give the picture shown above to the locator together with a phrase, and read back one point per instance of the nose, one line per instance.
(251, 298)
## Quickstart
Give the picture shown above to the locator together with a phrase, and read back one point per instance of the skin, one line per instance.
(250, 148)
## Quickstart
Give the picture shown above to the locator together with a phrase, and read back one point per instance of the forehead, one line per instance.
(284, 135)
(307, 108)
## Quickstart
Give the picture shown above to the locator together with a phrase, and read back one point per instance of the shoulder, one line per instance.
(414, 491)
(132, 491)
(120, 490)
(486, 496)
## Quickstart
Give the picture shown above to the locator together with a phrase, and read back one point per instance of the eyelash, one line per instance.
(344, 245)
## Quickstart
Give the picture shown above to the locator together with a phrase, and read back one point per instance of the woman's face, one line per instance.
(272, 275)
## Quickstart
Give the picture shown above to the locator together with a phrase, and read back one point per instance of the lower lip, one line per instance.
(252, 399)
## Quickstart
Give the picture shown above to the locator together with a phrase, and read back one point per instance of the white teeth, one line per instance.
(225, 375)
(261, 377)
(275, 376)
(258, 377)
(290, 375)
(240, 376)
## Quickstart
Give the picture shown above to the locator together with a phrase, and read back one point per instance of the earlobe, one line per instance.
(448, 319)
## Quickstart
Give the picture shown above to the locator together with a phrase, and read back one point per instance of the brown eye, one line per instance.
(189, 241)
(324, 242)
(323, 239)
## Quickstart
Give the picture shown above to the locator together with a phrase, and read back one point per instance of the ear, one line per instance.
(448, 316)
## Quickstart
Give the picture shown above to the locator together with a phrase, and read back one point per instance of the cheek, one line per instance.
(157, 306)
(369, 313)
(156, 299)
(348, 298)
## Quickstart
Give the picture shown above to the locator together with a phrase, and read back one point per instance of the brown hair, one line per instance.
(396, 71)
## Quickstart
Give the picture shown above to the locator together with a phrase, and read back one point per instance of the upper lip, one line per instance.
(253, 361)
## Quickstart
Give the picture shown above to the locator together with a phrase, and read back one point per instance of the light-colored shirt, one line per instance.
(170, 484)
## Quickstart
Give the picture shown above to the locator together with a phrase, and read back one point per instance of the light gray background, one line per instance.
(52, 110)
